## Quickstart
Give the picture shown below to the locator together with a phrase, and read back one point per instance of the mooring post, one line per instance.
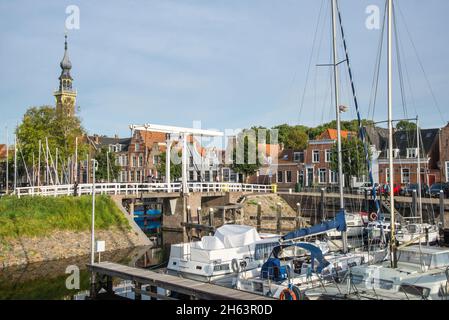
(279, 217)
(189, 214)
(223, 216)
(366, 201)
(414, 203)
(298, 216)
(442, 210)
(322, 205)
(137, 291)
(198, 214)
(211, 217)
(259, 216)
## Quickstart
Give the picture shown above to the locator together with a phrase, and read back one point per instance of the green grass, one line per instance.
(40, 216)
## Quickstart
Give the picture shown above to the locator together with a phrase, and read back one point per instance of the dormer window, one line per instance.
(412, 153)
(395, 153)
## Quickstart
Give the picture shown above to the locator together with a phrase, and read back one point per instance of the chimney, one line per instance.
(97, 139)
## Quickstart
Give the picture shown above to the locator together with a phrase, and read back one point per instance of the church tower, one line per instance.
(65, 96)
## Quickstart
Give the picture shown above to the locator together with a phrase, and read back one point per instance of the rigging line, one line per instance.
(24, 164)
(375, 83)
(362, 130)
(399, 62)
(421, 65)
(310, 61)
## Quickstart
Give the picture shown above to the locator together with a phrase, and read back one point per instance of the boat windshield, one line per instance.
(430, 259)
(415, 290)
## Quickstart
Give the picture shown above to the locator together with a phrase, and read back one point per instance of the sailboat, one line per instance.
(413, 272)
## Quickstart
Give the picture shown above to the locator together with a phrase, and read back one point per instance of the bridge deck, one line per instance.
(189, 287)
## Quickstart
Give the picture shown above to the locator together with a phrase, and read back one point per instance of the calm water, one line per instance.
(47, 280)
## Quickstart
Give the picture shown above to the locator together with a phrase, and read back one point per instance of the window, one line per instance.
(207, 176)
(333, 176)
(191, 160)
(412, 153)
(140, 163)
(215, 175)
(136, 147)
(322, 176)
(288, 176)
(316, 156)
(280, 180)
(405, 174)
(226, 175)
(156, 159)
(387, 175)
(298, 157)
(134, 163)
(395, 153)
(328, 156)
(191, 176)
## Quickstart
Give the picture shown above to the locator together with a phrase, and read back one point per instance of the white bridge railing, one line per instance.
(136, 188)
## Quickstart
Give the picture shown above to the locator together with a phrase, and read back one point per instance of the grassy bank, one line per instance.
(40, 216)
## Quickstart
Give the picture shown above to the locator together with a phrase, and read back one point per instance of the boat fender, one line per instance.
(373, 216)
(235, 265)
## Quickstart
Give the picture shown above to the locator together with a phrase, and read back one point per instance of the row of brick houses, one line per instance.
(312, 166)
(138, 158)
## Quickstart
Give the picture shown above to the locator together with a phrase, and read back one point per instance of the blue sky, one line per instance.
(228, 63)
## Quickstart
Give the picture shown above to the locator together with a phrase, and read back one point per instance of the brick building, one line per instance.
(443, 163)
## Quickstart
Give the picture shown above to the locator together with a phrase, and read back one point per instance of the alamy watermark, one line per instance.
(72, 22)
(372, 22)
(72, 282)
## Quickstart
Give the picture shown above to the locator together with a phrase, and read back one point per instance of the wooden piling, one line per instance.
(298, 216)
(279, 218)
(442, 209)
(414, 203)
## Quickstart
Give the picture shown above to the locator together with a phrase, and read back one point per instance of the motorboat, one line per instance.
(416, 233)
(291, 272)
(219, 257)
(354, 224)
(422, 273)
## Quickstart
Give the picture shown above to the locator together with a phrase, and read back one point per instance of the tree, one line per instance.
(175, 169)
(354, 158)
(245, 155)
(61, 131)
(102, 156)
(293, 137)
(405, 125)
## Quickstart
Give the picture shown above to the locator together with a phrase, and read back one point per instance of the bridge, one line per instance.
(129, 189)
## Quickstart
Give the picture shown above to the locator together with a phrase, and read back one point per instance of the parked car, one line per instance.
(383, 190)
(408, 189)
(435, 189)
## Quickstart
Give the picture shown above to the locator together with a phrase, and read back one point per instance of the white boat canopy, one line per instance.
(233, 236)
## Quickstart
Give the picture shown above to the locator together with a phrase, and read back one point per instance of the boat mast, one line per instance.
(337, 109)
(390, 135)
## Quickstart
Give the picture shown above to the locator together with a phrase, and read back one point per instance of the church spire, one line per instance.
(65, 96)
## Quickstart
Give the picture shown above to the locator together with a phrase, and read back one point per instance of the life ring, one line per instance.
(235, 265)
(292, 293)
(373, 216)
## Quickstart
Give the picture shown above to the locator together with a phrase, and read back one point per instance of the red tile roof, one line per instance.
(331, 134)
(2, 151)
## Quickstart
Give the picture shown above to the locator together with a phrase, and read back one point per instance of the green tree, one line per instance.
(245, 155)
(405, 125)
(175, 169)
(293, 137)
(354, 158)
(43, 124)
(102, 156)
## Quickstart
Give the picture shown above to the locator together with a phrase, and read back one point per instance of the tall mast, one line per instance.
(390, 134)
(337, 110)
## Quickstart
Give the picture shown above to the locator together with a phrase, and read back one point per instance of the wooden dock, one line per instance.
(105, 271)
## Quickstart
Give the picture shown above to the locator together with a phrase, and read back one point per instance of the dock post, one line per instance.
(131, 208)
(442, 210)
(322, 205)
(279, 217)
(211, 217)
(414, 203)
(298, 216)
(198, 214)
(137, 291)
(189, 214)
(259, 216)
(223, 216)
(366, 201)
